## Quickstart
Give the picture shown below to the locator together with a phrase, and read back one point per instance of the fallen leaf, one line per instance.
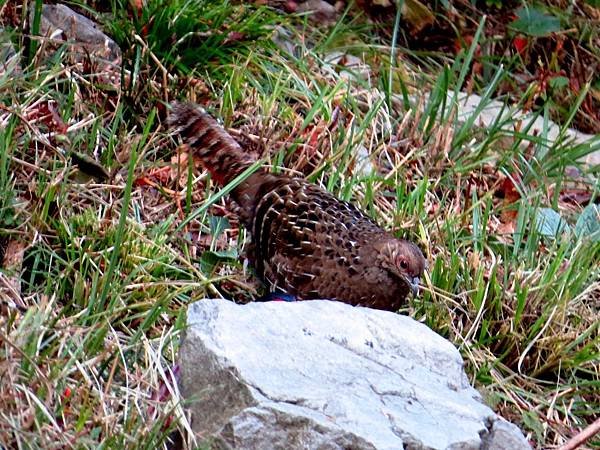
(588, 223)
(576, 196)
(90, 167)
(535, 22)
(520, 44)
(417, 14)
(48, 114)
(162, 174)
(143, 181)
(506, 228)
(234, 36)
(10, 283)
(510, 196)
(549, 223)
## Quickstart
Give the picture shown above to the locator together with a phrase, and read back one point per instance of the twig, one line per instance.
(582, 436)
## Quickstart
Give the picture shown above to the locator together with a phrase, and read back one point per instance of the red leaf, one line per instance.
(66, 393)
(143, 181)
(520, 44)
(161, 175)
(510, 195)
(509, 191)
(47, 113)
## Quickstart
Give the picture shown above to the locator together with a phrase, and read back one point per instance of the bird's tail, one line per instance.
(219, 153)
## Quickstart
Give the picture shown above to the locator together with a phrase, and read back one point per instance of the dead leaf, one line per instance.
(233, 36)
(510, 195)
(48, 114)
(417, 14)
(89, 166)
(10, 279)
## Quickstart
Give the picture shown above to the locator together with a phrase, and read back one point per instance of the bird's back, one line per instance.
(310, 244)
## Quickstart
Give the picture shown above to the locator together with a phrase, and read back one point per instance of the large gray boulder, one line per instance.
(325, 375)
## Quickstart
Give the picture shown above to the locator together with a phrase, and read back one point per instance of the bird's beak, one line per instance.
(414, 286)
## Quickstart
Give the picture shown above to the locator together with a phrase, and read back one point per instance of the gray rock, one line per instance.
(325, 375)
(495, 111)
(285, 41)
(319, 11)
(348, 66)
(504, 435)
(60, 23)
(78, 28)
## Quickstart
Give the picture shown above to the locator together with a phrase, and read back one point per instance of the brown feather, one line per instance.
(305, 241)
(220, 153)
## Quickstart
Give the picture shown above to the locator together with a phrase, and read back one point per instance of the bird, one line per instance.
(304, 241)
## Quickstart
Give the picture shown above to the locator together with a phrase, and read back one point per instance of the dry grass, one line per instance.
(89, 340)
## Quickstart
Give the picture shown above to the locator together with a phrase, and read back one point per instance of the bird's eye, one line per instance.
(403, 264)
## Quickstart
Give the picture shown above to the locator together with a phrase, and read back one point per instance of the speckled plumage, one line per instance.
(306, 242)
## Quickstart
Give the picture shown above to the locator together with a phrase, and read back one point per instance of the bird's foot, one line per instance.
(276, 297)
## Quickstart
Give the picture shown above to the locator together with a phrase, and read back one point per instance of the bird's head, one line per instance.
(403, 260)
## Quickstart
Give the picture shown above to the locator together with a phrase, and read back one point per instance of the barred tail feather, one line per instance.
(219, 153)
